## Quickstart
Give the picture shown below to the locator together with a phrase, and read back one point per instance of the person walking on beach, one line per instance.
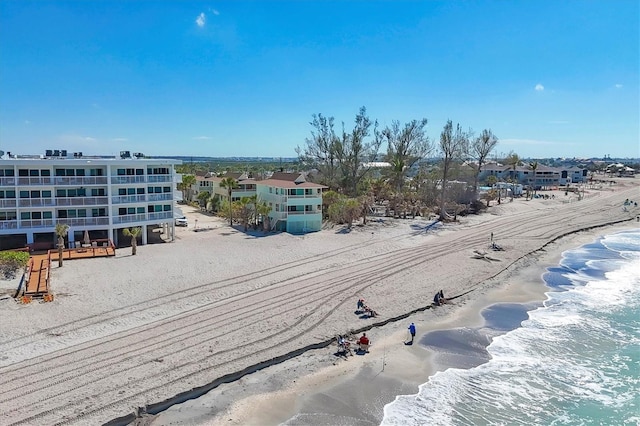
(412, 330)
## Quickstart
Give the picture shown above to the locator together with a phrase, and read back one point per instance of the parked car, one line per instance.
(181, 221)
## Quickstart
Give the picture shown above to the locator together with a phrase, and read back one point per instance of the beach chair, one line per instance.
(363, 347)
(344, 346)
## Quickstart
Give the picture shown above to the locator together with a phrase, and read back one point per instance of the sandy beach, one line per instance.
(144, 335)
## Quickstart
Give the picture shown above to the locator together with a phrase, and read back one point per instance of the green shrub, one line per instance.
(11, 261)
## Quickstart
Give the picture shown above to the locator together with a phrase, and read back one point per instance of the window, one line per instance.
(45, 172)
(131, 210)
(46, 194)
(23, 172)
(166, 189)
(79, 172)
(35, 194)
(71, 192)
(8, 216)
(59, 172)
(157, 208)
(122, 211)
(139, 172)
(121, 172)
(98, 212)
(70, 172)
(158, 190)
(24, 194)
(131, 191)
(122, 191)
(82, 192)
(47, 215)
(82, 213)
(140, 191)
(7, 172)
(25, 216)
(140, 210)
(61, 193)
(166, 208)
(8, 194)
(72, 213)
(34, 173)
(62, 214)
(36, 215)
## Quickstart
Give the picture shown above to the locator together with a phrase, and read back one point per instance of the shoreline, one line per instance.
(390, 368)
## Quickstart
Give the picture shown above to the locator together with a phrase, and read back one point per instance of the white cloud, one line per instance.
(201, 138)
(539, 87)
(201, 20)
(119, 139)
(214, 11)
(618, 86)
(89, 139)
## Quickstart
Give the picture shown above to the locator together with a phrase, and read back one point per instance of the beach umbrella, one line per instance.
(86, 241)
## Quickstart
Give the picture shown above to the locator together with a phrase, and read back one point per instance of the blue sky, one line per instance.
(551, 78)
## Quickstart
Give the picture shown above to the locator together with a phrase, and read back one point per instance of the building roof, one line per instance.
(289, 184)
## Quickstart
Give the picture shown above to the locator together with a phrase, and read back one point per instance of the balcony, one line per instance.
(160, 215)
(127, 180)
(128, 218)
(42, 180)
(8, 224)
(120, 199)
(159, 178)
(85, 221)
(81, 201)
(37, 223)
(36, 202)
(305, 212)
(160, 197)
(8, 202)
(80, 180)
(7, 181)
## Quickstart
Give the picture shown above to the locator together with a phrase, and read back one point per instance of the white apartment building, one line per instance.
(99, 195)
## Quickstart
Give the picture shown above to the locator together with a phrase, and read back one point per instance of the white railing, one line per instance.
(80, 180)
(139, 198)
(159, 178)
(160, 197)
(306, 212)
(36, 202)
(8, 224)
(9, 202)
(128, 179)
(160, 215)
(81, 201)
(42, 180)
(36, 223)
(142, 217)
(85, 221)
(7, 181)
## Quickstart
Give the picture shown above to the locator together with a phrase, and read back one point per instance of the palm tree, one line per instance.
(62, 229)
(185, 186)
(229, 183)
(513, 160)
(203, 198)
(245, 211)
(133, 233)
(263, 209)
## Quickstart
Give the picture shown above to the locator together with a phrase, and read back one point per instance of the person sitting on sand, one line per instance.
(436, 299)
(442, 298)
(363, 340)
(370, 312)
(360, 305)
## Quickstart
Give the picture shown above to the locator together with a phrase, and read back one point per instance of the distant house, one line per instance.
(544, 176)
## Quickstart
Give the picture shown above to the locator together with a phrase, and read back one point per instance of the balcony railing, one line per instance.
(139, 198)
(160, 215)
(80, 180)
(7, 181)
(128, 179)
(81, 201)
(36, 202)
(160, 197)
(160, 178)
(37, 223)
(8, 224)
(8, 202)
(42, 180)
(305, 212)
(85, 221)
(142, 217)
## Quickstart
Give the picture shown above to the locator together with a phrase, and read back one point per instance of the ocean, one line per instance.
(572, 360)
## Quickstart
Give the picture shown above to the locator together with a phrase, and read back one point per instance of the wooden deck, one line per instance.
(40, 265)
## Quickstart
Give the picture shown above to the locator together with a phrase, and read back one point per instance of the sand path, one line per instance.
(130, 331)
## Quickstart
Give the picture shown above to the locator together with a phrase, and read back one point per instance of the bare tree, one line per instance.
(405, 146)
(453, 146)
(354, 152)
(321, 150)
(481, 147)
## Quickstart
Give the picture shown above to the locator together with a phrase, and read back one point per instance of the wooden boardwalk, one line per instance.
(40, 265)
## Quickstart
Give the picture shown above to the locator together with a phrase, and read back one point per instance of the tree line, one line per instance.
(419, 174)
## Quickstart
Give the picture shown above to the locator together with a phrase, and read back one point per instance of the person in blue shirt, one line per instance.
(412, 330)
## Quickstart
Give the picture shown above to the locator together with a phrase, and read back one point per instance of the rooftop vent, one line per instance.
(125, 154)
(138, 155)
(56, 153)
(48, 153)
(63, 153)
(77, 155)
